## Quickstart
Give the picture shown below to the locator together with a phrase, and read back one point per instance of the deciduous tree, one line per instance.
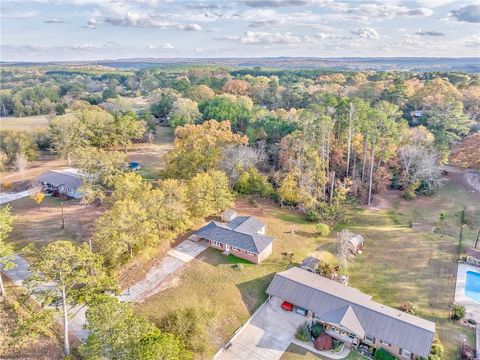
(6, 250)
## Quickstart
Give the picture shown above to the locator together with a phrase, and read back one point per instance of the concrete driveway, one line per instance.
(8, 197)
(265, 337)
(157, 277)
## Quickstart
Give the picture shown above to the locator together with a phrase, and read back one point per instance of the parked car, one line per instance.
(301, 311)
(287, 306)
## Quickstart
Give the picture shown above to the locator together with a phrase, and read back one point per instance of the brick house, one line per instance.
(241, 236)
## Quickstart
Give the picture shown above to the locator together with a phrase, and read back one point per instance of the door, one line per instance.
(227, 247)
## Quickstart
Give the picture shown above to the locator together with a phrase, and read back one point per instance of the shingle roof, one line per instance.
(215, 231)
(321, 295)
(346, 317)
(246, 224)
(57, 178)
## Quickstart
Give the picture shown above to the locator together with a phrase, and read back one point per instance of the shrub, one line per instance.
(190, 325)
(458, 311)
(322, 229)
(437, 350)
(325, 269)
(323, 342)
(408, 307)
(337, 345)
(251, 181)
(410, 192)
(316, 330)
(302, 333)
(312, 215)
(382, 354)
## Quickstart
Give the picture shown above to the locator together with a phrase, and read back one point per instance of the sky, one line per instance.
(61, 30)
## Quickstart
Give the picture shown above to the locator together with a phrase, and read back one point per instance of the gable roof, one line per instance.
(63, 177)
(345, 317)
(322, 296)
(215, 231)
(246, 224)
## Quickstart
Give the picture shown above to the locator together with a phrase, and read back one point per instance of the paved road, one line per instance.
(155, 281)
(265, 337)
(157, 277)
(7, 197)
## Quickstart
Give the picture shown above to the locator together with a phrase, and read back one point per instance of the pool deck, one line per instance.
(472, 308)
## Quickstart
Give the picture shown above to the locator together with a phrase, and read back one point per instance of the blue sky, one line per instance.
(44, 30)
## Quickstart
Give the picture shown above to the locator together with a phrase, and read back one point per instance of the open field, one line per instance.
(27, 123)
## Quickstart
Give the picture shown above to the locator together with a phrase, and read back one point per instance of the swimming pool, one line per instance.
(472, 285)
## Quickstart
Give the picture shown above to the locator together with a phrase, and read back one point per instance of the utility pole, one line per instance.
(478, 238)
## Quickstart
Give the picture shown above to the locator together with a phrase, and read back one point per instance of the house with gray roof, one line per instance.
(66, 182)
(241, 236)
(352, 316)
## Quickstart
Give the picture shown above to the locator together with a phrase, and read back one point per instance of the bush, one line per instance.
(382, 354)
(190, 325)
(458, 311)
(323, 342)
(251, 181)
(410, 192)
(316, 330)
(437, 350)
(408, 307)
(337, 345)
(322, 229)
(302, 333)
(312, 215)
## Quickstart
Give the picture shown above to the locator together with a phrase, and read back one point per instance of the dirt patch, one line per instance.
(41, 224)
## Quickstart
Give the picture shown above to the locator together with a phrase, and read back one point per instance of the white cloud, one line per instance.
(54, 21)
(388, 11)
(269, 38)
(470, 13)
(421, 32)
(366, 32)
(161, 46)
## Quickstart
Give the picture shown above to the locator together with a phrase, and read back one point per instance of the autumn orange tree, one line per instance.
(467, 154)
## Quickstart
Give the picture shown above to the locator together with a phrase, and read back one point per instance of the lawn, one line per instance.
(150, 156)
(28, 123)
(213, 282)
(400, 263)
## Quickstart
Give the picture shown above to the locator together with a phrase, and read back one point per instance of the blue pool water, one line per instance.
(472, 285)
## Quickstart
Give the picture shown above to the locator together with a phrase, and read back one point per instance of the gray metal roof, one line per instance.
(321, 295)
(215, 231)
(57, 178)
(345, 317)
(246, 224)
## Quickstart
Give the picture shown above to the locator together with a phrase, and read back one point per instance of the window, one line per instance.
(385, 343)
(369, 338)
(405, 353)
(217, 243)
(235, 248)
(251, 253)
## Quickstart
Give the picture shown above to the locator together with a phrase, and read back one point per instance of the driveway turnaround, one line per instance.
(266, 335)
(157, 277)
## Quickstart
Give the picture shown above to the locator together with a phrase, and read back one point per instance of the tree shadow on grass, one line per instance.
(253, 291)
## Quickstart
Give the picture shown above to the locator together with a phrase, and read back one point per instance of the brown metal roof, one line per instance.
(321, 295)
